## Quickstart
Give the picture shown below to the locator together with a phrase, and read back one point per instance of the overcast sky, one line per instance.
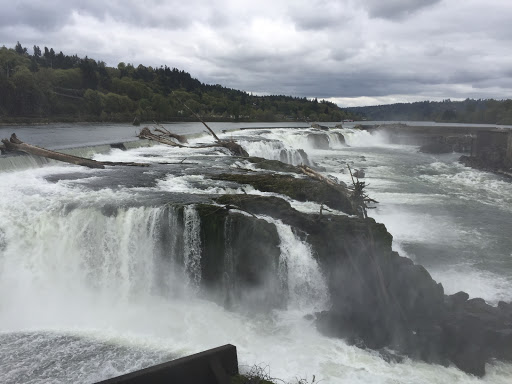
(353, 52)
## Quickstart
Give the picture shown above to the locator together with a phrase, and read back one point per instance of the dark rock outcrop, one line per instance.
(239, 259)
(378, 298)
(319, 140)
(382, 300)
(436, 147)
(272, 165)
(321, 127)
(298, 188)
(340, 137)
(492, 152)
(446, 144)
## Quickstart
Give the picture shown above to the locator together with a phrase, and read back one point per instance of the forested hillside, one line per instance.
(467, 111)
(46, 86)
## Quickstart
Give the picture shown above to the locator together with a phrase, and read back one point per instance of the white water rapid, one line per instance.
(100, 275)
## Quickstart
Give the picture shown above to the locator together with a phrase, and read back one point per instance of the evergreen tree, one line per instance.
(37, 51)
(19, 49)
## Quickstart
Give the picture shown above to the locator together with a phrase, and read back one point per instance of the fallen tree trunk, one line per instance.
(317, 176)
(165, 132)
(146, 133)
(235, 148)
(15, 144)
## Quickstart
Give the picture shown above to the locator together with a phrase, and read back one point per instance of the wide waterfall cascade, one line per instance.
(125, 253)
(361, 138)
(275, 150)
(100, 270)
(291, 146)
(115, 257)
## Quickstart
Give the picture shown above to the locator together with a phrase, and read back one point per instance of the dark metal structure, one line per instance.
(214, 366)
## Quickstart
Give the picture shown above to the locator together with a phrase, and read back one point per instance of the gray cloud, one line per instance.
(41, 16)
(395, 9)
(346, 50)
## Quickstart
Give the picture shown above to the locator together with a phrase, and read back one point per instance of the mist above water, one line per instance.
(98, 277)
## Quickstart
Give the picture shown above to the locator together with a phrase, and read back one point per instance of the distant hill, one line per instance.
(50, 86)
(467, 111)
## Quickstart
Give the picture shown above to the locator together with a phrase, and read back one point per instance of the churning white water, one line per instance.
(98, 277)
(307, 289)
(192, 246)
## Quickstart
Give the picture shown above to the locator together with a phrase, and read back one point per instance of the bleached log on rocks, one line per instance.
(15, 144)
(235, 148)
(317, 176)
(165, 132)
(146, 133)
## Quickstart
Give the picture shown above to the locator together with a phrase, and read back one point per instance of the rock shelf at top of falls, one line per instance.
(378, 298)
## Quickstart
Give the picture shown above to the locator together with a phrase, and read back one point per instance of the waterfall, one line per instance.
(336, 139)
(361, 138)
(192, 245)
(299, 272)
(229, 278)
(113, 254)
(18, 162)
(109, 256)
(275, 150)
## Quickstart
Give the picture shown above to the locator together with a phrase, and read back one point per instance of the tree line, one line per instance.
(482, 111)
(49, 86)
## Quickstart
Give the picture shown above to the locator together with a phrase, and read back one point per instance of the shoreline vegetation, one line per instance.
(48, 87)
(52, 87)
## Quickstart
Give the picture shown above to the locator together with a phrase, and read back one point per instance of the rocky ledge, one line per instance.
(490, 163)
(378, 298)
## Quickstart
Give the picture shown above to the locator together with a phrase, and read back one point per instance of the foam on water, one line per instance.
(307, 288)
(111, 299)
(361, 138)
(477, 283)
(469, 184)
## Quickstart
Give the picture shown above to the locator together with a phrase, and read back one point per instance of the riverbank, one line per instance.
(75, 120)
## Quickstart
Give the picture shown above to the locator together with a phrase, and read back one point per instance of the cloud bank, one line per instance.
(348, 51)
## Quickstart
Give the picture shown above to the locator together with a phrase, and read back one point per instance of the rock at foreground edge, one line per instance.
(380, 299)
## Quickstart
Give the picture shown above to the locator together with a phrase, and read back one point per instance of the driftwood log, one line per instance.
(360, 198)
(165, 132)
(317, 176)
(235, 148)
(146, 133)
(15, 144)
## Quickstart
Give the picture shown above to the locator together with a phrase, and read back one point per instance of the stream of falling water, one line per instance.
(92, 285)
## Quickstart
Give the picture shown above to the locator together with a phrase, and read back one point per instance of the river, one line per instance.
(90, 287)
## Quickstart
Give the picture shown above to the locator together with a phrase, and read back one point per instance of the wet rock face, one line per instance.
(474, 332)
(272, 165)
(319, 140)
(378, 298)
(460, 144)
(447, 144)
(487, 164)
(340, 137)
(301, 189)
(239, 259)
(436, 147)
(321, 127)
